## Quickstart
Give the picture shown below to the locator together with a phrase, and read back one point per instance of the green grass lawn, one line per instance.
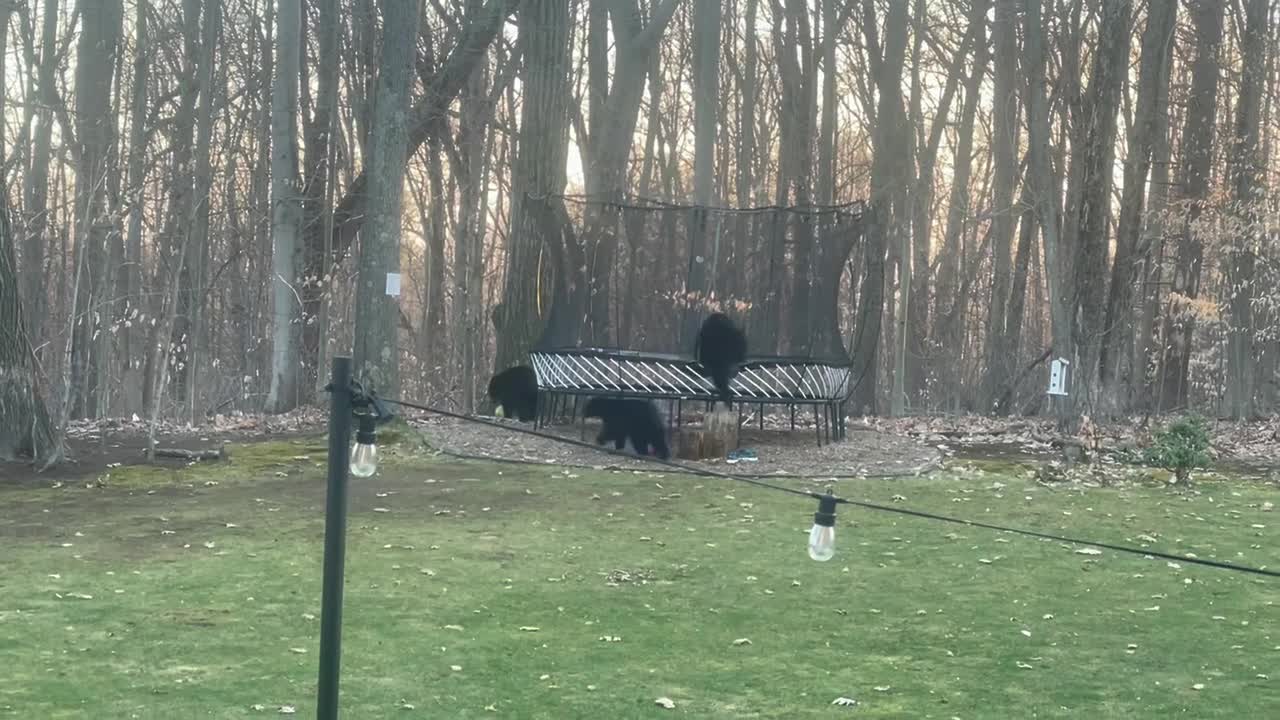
(483, 590)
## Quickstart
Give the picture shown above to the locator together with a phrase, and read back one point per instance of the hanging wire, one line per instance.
(924, 515)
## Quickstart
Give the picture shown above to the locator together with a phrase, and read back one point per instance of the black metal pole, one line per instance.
(335, 539)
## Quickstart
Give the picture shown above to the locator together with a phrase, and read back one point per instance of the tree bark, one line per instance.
(706, 96)
(1096, 151)
(608, 146)
(538, 173)
(36, 187)
(1197, 145)
(1056, 257)
(1005, 133)
(95, 131)
(946, 327)
(353, 210)
(889, 177)
(285, 392)
(210, 31)
(133, 346)
(1245, 170)
(377, 316)
(1153, 74)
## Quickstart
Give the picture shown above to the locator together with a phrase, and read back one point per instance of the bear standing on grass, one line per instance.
(630, 419)
(515, 390)
(721, 348)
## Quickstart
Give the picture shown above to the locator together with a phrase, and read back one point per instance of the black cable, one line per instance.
(840, 500)
(1061, 538)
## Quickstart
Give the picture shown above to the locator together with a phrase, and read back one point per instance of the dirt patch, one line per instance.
(782, 453)
(94, 446)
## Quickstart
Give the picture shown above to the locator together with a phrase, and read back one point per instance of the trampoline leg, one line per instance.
(679, 414)
(793, 418)
(761, 417)
(817, 425)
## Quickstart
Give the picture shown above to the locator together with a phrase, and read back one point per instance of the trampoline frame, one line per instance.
(574, 373)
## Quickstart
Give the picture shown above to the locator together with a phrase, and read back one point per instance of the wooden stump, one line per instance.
(715, 439)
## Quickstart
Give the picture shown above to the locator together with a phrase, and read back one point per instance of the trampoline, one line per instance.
(762, 380)
(627, 284)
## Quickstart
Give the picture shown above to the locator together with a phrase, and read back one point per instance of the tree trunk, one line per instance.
(946, 327)
(133, 345)
(1153, 73)
(1246, 174)
(377, 316)
(209, 36)
(1018, 292)
(323, 142)
(1005, 131)
(36, 187)
(537, 173)
(609, 147)
(1057, 259)
(1196, 144)
(285, 391)
(353, 210)
(706, 96)
(468, 243)
(917, 365)
(1147, 353)
(95, 132)
(435, 212)
(24, 420)
(1096, 151)
(888, 181)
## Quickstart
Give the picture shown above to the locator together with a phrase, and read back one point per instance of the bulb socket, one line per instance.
(367, 434)
(826, 515)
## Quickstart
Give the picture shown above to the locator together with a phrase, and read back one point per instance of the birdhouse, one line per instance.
(1059, 376)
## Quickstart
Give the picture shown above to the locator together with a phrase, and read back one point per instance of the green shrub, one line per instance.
(1181, 446)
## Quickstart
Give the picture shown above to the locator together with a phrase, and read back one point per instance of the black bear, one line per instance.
(721, 347)
(636, 420)
(515, 390)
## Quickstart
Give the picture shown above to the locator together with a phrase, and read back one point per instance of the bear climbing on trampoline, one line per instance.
(721, 348)
(629, 419)
(515, 390)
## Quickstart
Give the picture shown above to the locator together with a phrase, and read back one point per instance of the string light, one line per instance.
(822, 537)
(364, 455)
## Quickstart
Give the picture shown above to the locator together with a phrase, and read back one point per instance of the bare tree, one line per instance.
(286, 213)
(889, 179)
(377, 349)
(614, 110)
(1195, 167)
(537, 175)
(1093, 152)
(1245, 171)
(1005, 133)
(95, 131)
(24, 420)
(1057, 257)
(36, 185)
(1153, 74)
(133, 346)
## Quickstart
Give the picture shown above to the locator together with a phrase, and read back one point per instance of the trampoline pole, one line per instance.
(335, 530)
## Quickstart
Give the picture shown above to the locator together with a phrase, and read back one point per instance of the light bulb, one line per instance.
(364, 456)
(822, 542)
(364, 459)
(822, 537)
